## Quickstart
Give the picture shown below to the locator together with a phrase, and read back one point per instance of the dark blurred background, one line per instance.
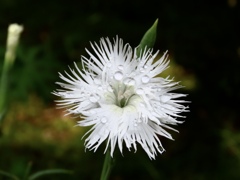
(203, 40)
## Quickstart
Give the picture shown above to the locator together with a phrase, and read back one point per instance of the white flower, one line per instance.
(121, 96)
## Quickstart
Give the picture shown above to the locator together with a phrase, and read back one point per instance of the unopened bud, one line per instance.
(14, 31)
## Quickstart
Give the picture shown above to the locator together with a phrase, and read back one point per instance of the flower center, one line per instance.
(121, 95)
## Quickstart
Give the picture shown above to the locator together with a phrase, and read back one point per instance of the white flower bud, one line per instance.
(14, 31)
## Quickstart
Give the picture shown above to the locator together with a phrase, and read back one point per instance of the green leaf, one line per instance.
(8, 175)
(48, 172)
(28, 169)
(148, 39)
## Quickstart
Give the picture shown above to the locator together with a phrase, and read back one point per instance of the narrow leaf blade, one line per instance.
(8, 175)
(148, 39)
(48, 172)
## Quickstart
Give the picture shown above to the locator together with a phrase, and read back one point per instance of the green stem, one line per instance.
(107, 166)
(3, 92)
(3, 86)
(14, 31)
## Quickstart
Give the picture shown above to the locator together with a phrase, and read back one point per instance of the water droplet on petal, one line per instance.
(103, 120)
(142, 70)
(135, 124)
(109, 65)
(118, 75)
(129, 81)
(100, 88)
(120, 67)
(165, 98)
(94, 98)
(161, 149)
(92, 111)
(125, 81)
(142, 105)
(144, 146)
(97, 81)
(110, 89)
(145, 67)
(145, 79)
(139, 91)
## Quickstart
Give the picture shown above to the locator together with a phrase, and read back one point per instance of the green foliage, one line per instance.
(148, 39)
(35, 72)
(48, 172)
(11, 176)
(37, 174)
(22, 130)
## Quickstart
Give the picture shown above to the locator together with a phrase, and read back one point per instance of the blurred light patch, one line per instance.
(187, 79)
(36, 124)
(232, 3)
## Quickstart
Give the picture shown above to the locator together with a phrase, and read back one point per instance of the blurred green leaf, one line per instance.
(28, 169)
(34, 72)
(2, 114)
(149, 38)
(48, 172)
(8, 175)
